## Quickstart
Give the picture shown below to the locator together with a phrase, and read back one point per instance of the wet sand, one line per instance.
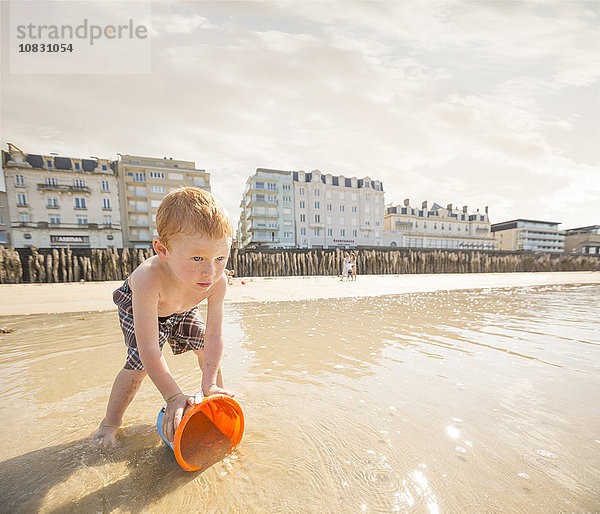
(483, 400)
(97, 296)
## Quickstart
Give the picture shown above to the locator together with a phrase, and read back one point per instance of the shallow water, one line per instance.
(472, 401)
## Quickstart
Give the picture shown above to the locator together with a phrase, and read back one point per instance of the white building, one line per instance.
(337, 211)
(532, 235)
(61, 201)
(437, 227)
(267, 211)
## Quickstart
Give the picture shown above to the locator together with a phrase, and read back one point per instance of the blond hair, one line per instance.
(190, 210)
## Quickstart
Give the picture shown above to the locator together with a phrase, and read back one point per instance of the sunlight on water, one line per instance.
(434, 402)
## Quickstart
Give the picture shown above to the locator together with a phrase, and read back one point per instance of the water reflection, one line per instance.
(447, 401)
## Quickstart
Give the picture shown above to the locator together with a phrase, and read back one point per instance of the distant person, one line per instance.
(346, 267)
(229, 273)
(158, 303)
(352, 266)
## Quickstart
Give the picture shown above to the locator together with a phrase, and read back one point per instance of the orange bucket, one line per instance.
(208, 431)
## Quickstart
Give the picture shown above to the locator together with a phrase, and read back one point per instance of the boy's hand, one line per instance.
(215, 389)
(176, 407)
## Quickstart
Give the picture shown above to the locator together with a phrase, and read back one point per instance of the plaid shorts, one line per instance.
(184, 331)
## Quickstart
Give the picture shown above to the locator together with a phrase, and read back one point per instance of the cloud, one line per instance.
(475, 103)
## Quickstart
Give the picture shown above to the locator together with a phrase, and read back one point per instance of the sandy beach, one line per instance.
(18, 299)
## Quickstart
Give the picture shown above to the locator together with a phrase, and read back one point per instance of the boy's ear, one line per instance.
(160, 249)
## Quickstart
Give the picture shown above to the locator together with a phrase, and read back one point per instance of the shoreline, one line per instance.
(23, 299)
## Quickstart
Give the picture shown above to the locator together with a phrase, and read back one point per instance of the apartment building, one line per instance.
(143, 182)
(532, 235)
(4, 219)
(267, 211)
(583, 240)
(337, 211)
(437, 227)
(58, 201)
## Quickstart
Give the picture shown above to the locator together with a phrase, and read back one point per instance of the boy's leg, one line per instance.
(124, 388)
(200, 354)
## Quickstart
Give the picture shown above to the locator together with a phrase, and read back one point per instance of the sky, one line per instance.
(472, 103)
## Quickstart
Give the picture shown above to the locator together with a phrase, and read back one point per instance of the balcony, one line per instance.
(49, 225)
(136, 208)
(254, 228)
(63, 188)
(52, 206)
(254, 215)
(263, 201)
(316, 224)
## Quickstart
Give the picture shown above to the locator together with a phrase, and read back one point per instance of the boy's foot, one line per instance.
(105, 436)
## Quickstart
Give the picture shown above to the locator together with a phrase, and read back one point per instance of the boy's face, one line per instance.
(196, 260)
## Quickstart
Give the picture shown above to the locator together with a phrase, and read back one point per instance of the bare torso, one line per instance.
(173, 297)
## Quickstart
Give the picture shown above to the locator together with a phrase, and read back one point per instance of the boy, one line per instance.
(158, 303)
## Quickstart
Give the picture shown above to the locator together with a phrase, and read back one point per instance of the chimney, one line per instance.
(465, 209)
(449, 207)
(406, 202)
(486, 209)
(424, 205)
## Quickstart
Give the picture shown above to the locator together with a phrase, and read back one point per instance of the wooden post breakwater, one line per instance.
(76, 264)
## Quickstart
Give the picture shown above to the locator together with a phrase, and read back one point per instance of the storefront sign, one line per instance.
(70, 240)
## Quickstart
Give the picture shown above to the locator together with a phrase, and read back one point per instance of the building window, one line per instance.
(376, 223)
(301, 191)
(108, 220)
(354, 233)
(50, 181)
(21, 199)
(1, 219)
(48, 164)
(271, 186)
(287, 235)
(303, 231)
(80, 203)
(52, 201)
(77, 166)
(317, 192)
(302, 204)
(302, 218)
(287, 198)
(329, 231)
(329, 207)
(54, 219)
(286, 187)
(25, 217)
(354, 208)
(259, 185)
(317, 218)
(140, 176)
(157, 189)
(317, 205)
(78, 182)
(104, 168)
(317, 232)
(157, 174)
(19, 180)
(105, 186)
(341, 208)
(82, 220)
(106, 203)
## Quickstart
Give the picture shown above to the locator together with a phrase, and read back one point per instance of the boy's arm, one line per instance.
(213, 339)
(145, 319)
